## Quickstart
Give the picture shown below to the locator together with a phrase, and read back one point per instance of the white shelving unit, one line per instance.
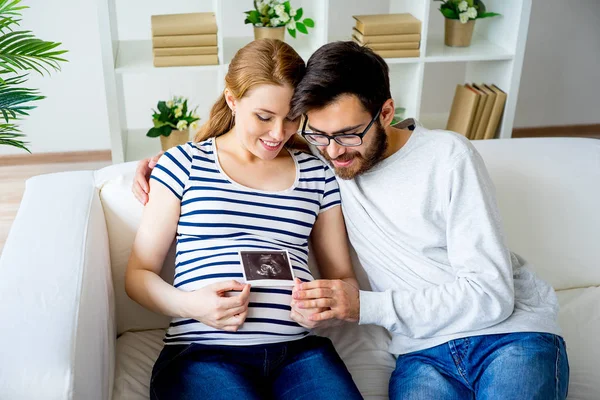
(424, 85)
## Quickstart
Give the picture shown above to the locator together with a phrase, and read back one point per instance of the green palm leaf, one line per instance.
(13, 101)
(7, 22)
(9, 7)
(11, 135)
(20, 51)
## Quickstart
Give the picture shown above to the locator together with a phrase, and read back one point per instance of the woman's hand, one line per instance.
(302, 316)
(141, 187)
(214, 306)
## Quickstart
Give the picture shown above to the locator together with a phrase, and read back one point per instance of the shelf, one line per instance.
(424, 85)
(480, 50)
(404, 60)
(135, 56)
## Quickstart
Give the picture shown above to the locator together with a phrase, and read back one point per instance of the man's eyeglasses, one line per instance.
(345, 139)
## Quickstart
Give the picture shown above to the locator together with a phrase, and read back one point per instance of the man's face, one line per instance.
(347, 115)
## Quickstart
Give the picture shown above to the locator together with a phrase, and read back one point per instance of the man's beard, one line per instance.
(373, 154)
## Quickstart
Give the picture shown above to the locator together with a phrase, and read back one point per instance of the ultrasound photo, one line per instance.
(267, 268)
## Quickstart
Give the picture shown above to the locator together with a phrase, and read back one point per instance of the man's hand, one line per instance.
(141, 187)
(339, 299)
(302, 315)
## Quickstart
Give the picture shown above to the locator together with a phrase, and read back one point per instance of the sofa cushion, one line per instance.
(123, 213)
(548, 192)
(579, 318)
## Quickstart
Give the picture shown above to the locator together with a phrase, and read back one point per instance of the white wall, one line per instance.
(560, 84)
(73, 116)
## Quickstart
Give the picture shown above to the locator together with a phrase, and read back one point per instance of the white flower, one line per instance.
(464, 18)
(170, 104)
(178, 112)
(259, 24)
(262, 8)
(462, 6)
(182, 125)
(280, 9)
(291, 25)
(275, 21)
(193, 125)
(284, 18)
(292, 12)
(472, 12)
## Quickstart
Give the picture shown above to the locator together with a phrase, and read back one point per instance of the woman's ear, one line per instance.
(229, 99)
(387, 112)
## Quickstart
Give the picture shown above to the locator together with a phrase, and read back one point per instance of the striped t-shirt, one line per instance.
(220, 217)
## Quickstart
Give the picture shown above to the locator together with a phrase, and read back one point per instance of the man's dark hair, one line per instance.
(341, 68)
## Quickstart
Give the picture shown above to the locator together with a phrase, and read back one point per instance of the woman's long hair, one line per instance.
(263, 61)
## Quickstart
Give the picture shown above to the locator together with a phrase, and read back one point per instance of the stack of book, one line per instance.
(389, 35)
(476, 111)
(184, 39)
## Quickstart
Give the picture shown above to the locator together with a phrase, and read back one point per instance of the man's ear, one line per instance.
(229, 99)
(387, 113)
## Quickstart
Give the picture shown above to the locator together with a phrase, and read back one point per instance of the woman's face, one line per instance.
(261, 120)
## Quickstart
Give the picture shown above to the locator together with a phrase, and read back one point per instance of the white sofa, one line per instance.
(70, 332)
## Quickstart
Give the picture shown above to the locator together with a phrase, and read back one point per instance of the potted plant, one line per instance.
(460, 16)
(172, 122)
(20, 51)
(270, 18)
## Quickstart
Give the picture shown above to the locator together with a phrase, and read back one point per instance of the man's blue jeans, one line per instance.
(522, 366)
(308, 368)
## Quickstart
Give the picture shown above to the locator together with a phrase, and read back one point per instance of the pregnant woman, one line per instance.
(242, 185)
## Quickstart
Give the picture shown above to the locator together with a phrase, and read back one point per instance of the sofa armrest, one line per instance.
(56, 295)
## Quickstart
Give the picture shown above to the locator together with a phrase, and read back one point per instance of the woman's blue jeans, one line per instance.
(308, 368)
